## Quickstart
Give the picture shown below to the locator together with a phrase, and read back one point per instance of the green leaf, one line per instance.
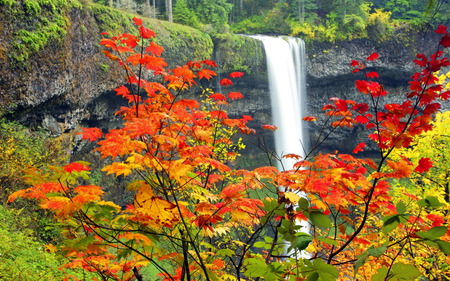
(313, 276)
(444, 246)
(381, 274)
(377, 252)
(390, 223)
(432, 233)
(431, 202)
(326, 272)
(301, 242)
(259, 244)
(405, 271)
(255, 267)
(319, 219)
(328, 241)
(360, 262)
(400, 207)
(303, 204)
(225, 252)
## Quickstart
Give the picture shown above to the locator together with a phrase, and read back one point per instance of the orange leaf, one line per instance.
(236, 74)
(226, 82)
(206, 73)
(235, 95)
(269, 127)
(91, 134)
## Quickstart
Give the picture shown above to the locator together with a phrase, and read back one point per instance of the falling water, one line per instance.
(286, 71)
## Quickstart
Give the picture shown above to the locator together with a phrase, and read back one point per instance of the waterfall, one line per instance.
(286, 71)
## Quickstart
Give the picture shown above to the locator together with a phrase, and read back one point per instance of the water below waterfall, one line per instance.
(286, 71)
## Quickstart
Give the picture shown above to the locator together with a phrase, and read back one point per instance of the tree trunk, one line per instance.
(169, 10)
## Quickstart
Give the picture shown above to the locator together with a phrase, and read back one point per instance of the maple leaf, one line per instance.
(236, 74)
(154, 49)
(209, 63)
(373, 57)
(225, 82)
(218, 96)
(137, 21)
(361, 108)
(372, 74)
(309, 118)
(269, 127)
(219, 114)
(206, 73)
(235, 95)
(424, 165)
(421, 60)
(354, 63)
(76, 167)
(146, 33)
(441, 29)
(445, 41)
(359, 148)
(91, 134)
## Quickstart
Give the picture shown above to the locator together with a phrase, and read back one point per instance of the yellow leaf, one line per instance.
(161, 212)
(293, 197)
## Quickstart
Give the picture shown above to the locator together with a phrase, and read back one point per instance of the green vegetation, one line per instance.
(41, 22)
(325, 20)
(20, 148)
(23, 256)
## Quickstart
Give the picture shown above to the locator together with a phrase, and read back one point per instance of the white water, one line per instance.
(286, 71)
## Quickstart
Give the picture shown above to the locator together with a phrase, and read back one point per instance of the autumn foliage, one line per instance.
(196, 218)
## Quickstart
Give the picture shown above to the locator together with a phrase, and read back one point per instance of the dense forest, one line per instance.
(315, 19)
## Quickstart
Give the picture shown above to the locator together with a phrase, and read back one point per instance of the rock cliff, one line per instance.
(65, 81)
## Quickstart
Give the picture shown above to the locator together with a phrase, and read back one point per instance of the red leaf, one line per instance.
(359, 148)
(309, 118)
(421, 60)
(91, 134)
(219, 114)
(372, 74)
(354, 63)
(206, 73)
(154, 49)
(75, 167)
(445, 95)
(373, 56)
(269, 127)
(146, 33)
(442, 29)
(236, 74)
(209, 63)
(235, 95)
(226, 82)
(362, 119)
(445, 41)
(424, 165)
(361, 107)
(137, 21)
(217, 96)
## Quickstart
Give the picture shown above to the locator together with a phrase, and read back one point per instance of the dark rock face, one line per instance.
(58, 87)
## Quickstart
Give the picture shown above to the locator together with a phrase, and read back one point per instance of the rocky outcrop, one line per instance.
(69, 82)
(57, 87)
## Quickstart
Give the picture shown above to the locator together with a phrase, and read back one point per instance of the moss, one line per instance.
(41, 22)
(111, 20)
(104, 67)
(239, 53)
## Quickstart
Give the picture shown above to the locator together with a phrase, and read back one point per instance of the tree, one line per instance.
(214, 12)
(195, 218)
(183, 15)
